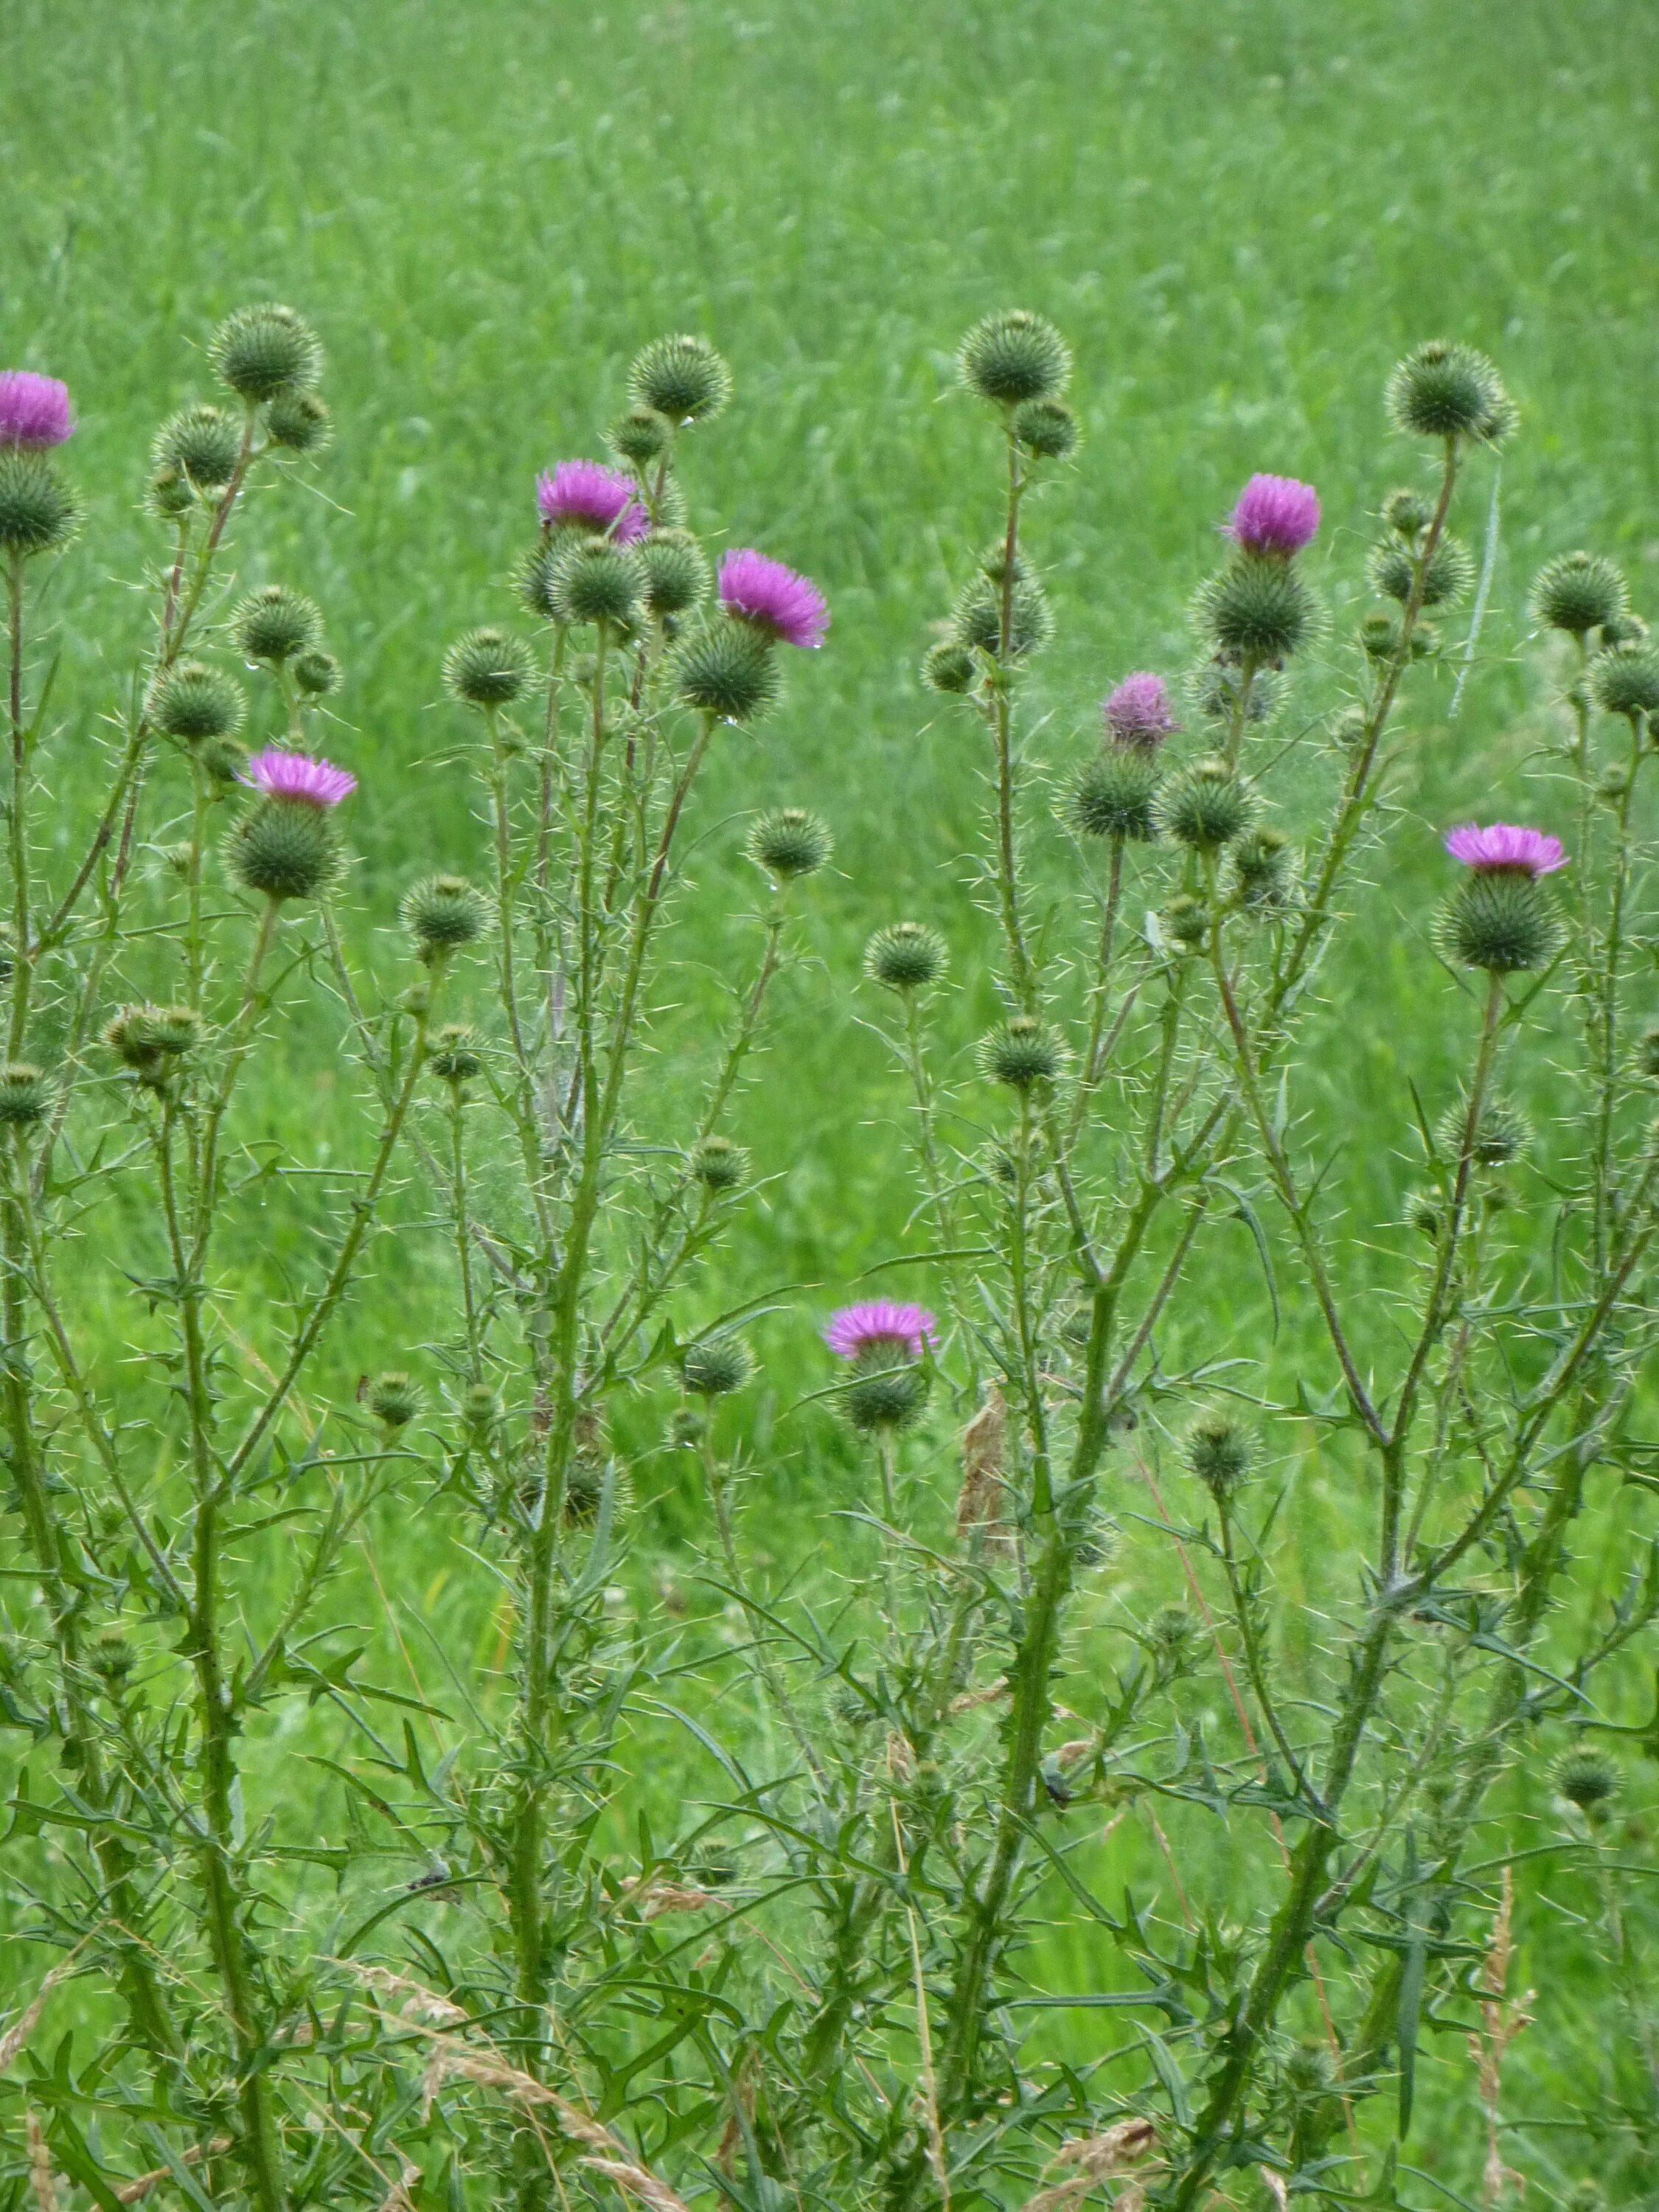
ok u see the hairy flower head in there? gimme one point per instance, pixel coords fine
(775, 598)
(592, 497)
(281, 775)
(1137, 711)
(34, 410)
(1274, 514)
(1505, 846)
(879, 1323)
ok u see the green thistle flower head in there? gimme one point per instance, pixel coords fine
(716, 1366)
(905, 956)
(789, 842)
(191, 701)
(261, 351)
(725, 668)
(1450, 390)
(1013, 357)
(274, 623)
(1256, 610)
(1113, 795)
(37, 512)
(488, 667)
(203, 442)
(1578, 593)
(1219, 1449)
(682, 378)
(1021, 1054)
(674, 570)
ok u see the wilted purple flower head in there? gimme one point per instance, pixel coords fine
(1138, 712)
(773, 597)
(34, 410)
(281, 775)
(879, 1322)
(589, 493)
(1274, 514)
(1505, 846)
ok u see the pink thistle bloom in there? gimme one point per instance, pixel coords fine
(1138, 712)
(773, 599)
(1506, 848)
(878, 1322)
(34, 410)
(1274, 514)
(281, 775)
(589, 494)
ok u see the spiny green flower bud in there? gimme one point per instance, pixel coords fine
(533, 577)
(1021, 1054)
(25, 1095)
(298, 423)
(111, 1655)
(316, 673)
(1261, 866)
(977, 622)
(1448, 391)
(151, 1041)
(285, 849)
(673, 571)
(885, 1390)
(1348, 726)
(481, 1409)
(191, 700)
(203, 441)
(1578, 593)
(950, 667)
(442, 914)
(224, 761)
(1586, 1778)
(994, 563)
(641, 436)
(595, 582)
(1186, 921)
(717, 1164)
(1407, 512)
(37, 512)
(725, 668)
(454, 1057)
(1113, 795)
(488, 667)
(1309, 2073)
(393, 1400)
(1502, 1134)
(1446, 578)
(1422, 1212)
(1207, 806)
(261, 351)
(1379, 636)
(1501, 922)
(1047, 428)
(1257, 609)
(1626, 680)
(1214, 688)
(1625, 629)
(716, 1366)
(789, 841)
(905, 956)
(1171, 1633)
(170, 494)
(1015, 356)
(1648, 1055)
(1218, 1449)
(682, 378)
(274, 623)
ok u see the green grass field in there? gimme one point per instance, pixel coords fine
(1239, 214)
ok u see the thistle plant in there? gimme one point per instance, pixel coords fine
(764, 1906)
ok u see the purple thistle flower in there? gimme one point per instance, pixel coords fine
(281, 775)
(1138, 712)
(1274, 514)
(772, 597)
(1506, 848)
(34, 410)
(879, 1322)
(587, 493)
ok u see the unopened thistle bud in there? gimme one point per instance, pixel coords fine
(1186, 921)
(1407, 512)
(1447, 576)
(487, 668)
(1626, 680)
(682, 378)
(37, 512)
(262, 351)
(1261, 866)
(1348, 726)
(1047, 428)
(111, 1655)
(596, 581)
(1171, 1633)
(316, 673)
(1218, 1449)
(905, 956)
(298, 423)
(285, 849)
(533, 577)
(726, 668)
(1256, 610)
(1449, 390)
(1503, 923)
(224, 761)
(191, 701)
(1114, 793)
(1014, 357)
(274, 623)
(885, 1390)
(950, 667)
(1207, 806)
(1502, 1134)
(1625, 629)
(1578, 593)
(673, 571)
(716, 1366)
(1216, 689)
(152, 1040)
(789, 842)
(1648, 1055)
(204, 442)
(1021, 1054)
(1586, 1778)
(454, 1057)
(170, 494)
(977, 621)
(481, 1409)
(393, 1400)
(1422, 1212)
(25, 1095)
(717, 1164)
(442, 914)
(641, 436)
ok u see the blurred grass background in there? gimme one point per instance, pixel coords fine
(1240, 211)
